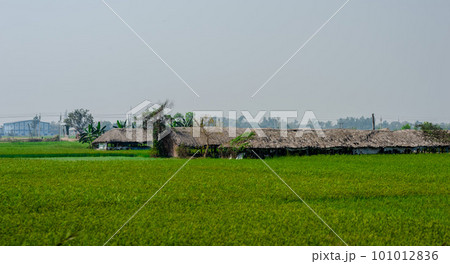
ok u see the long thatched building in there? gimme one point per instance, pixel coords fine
(332, 141)
(184, 141)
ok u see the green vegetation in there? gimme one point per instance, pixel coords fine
(435, 132)
(407, 126)
(59, 149)
(367, 200)
(180, 120)
(158, 121)
(91, 133)
(79, 119)
(238, 145)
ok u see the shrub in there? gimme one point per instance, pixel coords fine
(435, 132)
(183, 151)
(52, 139)
(407, 126)
(153, 153)
(241, 142)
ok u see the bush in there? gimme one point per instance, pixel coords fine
(435, 132)
(153, 153)
(407, 126)
(226, 152)
(183, 151)
(52, 139)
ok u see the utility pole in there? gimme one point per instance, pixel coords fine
(60, 120)
(66, 130)
(373, 121)
(39, 126)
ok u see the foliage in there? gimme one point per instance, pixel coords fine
(79, 119)
(183, 151)
(435, 131)
(407, 126)
(91, 133)
(362, 123)
(60, 149)
(120, 124)
(371, 200)
(178, 120)
(107, 124)
(52, 139)
(158, 120)
(429, 127)
(241, 142)
(34, 126)
(204, 123)
(153, 153)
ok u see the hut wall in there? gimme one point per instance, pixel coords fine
(358, 151)
(102, 146)
(169, 146)
(396, 150)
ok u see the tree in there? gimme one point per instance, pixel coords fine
(407, 126)
(107, 124)
(91, 133)
(79, 119)
(204, 123)
(158, 119)
(34, 126)
(178, 120)
(429, 127)
(269, 123)
(435, 131)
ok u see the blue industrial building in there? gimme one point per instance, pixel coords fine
(26, 128)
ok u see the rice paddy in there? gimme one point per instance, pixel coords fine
(65, 194)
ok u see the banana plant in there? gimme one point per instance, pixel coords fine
(120, 124)
(91, 133)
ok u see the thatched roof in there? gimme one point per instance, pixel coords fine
(123, 135)
(334, 138)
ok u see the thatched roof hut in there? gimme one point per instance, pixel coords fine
(118, 138)
(332, 139)
(272, 139)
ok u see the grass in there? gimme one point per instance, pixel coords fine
(367, 200)
(99, 158)
(59, 149)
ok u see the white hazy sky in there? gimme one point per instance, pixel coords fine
(390, 57)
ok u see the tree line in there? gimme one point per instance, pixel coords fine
(80, 119)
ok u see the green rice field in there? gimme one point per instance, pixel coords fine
(59, 149)
(60, 193)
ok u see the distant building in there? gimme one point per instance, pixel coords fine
(26, 128)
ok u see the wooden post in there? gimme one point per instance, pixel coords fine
(373, 121)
